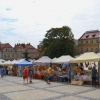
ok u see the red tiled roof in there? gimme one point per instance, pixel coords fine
(7, 45)
(29, 46)
(24, 46)
(90, 34)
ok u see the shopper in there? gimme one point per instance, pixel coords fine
(94, 73)
(2, 72)
(25, 74)
(48, 71)
(30, 74)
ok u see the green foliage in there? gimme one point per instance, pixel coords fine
(26, 55)
(58, 42)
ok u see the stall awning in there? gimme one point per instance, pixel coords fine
(86, 57)
(63, 59)
(24, 63)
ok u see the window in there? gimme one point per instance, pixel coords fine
(96, 41)
(81, 49)
(91, 49)
(86, 41)
(93, 35)
(87, 36)
(81, 42)
(91, 41)
(18, 55)
(4, 56)
(86, 49)
(12, 55)
(96, 49)
(22, 55)
(8, 55)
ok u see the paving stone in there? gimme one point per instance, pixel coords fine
(12, 88)
(93, 94)
(71, 98)
(7, 89)
(3, 97)
(69, 88)
(32, 94)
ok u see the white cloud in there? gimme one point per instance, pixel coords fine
(30, 19)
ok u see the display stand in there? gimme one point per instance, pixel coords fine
(77, 82)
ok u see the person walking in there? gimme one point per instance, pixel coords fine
(2, 72)
(5, 71)
(94, 73)
(48, 72)
(25, 74)
(30, 74)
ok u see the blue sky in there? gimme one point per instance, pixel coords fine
(27, 21)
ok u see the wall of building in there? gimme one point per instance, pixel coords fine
(88, 45)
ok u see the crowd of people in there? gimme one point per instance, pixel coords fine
(46, 72)
(41, 72)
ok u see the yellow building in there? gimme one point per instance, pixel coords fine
(89, 42)
(8, 52)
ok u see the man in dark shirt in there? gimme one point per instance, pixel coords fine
(94, 73)
(31, 74)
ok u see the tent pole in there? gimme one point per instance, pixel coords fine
(99, 70)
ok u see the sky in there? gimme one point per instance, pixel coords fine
(26, 21)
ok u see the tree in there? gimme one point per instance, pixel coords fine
(58, 42)
(26, 55)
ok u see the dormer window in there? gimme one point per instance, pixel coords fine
(87, 36)
(93, 35)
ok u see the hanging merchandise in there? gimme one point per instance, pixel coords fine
(94, 64)
(81, 64)
(86, 64)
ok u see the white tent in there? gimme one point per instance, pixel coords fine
(7, 62)
(1, 63)
(53, 59)
(44, 59)
(14, 61)
(63, 59)
(2, 60)
(98, 54)
(20, 60)
(86, 57)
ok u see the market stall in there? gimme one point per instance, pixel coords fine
(78, 74)
(20, 66)
(44, 60)
(63, 59)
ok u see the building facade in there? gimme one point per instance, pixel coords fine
(8, 52)
(89, 42)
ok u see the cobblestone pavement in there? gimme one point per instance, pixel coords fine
(12, 88)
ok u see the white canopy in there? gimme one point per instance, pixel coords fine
(7, 62)
(1, 63)
(53, 59)
(2, 60)
(63, 59)
(44, 59)
(98, 54)
(14, 61)
(86, 57)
